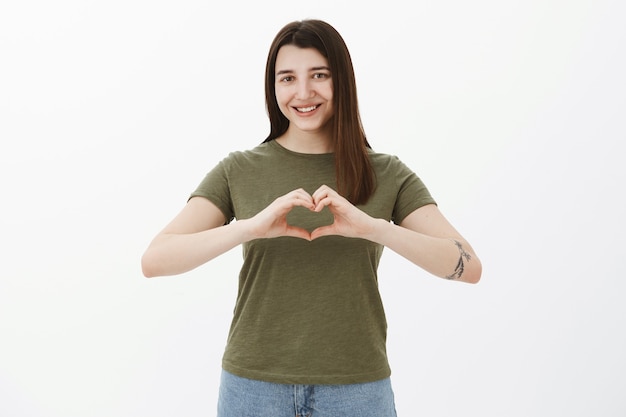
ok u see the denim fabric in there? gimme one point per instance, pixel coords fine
(242, 397)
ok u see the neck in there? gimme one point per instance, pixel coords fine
(305, 142)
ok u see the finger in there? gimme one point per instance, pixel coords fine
(297, 232)
(293, 199)
(325, 196)
(302, 198)
(302, 202)
(323, 231)
(321, 192)
(321, 198)
(319, 206)
(331, 200)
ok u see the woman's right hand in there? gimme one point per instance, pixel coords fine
(198, 234)
(272, 221)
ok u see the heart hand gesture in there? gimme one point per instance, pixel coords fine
(349, 221)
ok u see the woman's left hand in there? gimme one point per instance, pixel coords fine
(349, 221)
(424, 237)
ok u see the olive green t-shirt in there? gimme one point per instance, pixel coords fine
(307, 312)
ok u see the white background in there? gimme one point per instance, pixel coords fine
(512, 112)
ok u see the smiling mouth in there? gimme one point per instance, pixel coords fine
(307, 109)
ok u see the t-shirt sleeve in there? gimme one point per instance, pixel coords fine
(215, 187)
(412, 193)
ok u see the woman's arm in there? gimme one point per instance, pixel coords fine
(424, 237)
(198, 234)
(195, 236)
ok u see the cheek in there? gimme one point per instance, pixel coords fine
(281, 105)
(329, 96)
(328, 93)
(282, 97)
(284, 110)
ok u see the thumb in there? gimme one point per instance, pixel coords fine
(298, 232)
(321, 231)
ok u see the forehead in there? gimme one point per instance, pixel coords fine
(291, 57)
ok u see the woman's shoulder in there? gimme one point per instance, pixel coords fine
(382, 160)
(262, 150)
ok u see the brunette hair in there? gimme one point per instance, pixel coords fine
(355, 176)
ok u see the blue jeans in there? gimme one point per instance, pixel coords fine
(242, 397)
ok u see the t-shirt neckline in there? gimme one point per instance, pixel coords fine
(282, 149)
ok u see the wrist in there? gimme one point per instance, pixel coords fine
(243, 230)
(377, 230)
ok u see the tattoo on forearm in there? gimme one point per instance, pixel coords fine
(460, 266)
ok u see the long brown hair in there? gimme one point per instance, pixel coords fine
(355, 176)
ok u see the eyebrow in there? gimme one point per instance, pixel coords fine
(288, 71)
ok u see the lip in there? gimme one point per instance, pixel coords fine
(313, 107)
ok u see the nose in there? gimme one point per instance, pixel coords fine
(304, 89)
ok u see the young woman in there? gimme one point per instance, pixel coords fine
(314, 207)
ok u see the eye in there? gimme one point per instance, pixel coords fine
(286, 79)
(320, 75)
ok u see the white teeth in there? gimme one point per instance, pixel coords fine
(306, 109)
